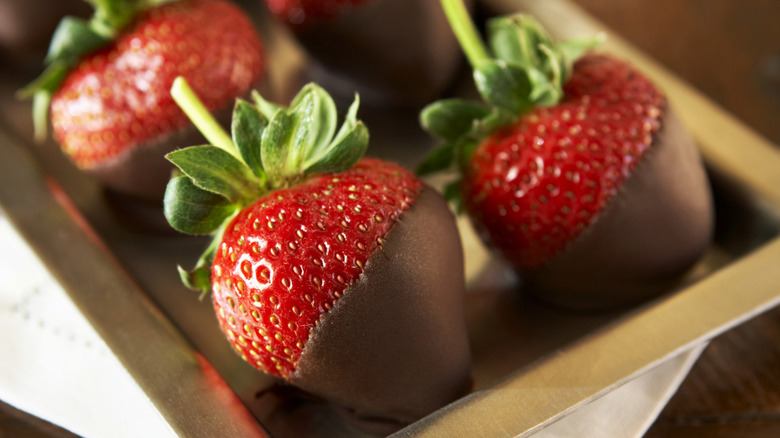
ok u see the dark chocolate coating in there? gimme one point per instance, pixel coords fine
(655, 228)
(393, 52)
(142, 172)
(395, 347)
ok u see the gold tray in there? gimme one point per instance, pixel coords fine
(528, 360)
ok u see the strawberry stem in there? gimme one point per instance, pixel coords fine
(200, 116)
(465, 31)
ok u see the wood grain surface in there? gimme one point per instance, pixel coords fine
(728, 49)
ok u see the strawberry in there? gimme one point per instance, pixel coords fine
(557, 152)
(275, 228)
(394, 52)
(340, 275)
(297, 12)
(108, 82)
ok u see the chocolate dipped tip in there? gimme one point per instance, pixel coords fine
(647, 237)
(393, 52)
(135, 181)
(394, 348)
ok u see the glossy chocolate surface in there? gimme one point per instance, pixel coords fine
(396, 52)
(656, 227)
(395, 348)
(142, 171)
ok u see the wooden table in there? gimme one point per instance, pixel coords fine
(730, 50)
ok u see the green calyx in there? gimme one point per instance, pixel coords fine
(270, 147)
(73, 39)
(518, 68)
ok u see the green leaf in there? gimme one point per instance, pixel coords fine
(508, 42)
(437, 160)
(198, 279)
(346, 148)
(465, 150)
(301, 134)
(320, 114)
(215, 170)
(247, 133)
(111, 16)
(544, 91)
(48, 81)
(73, 38)
(295, 134)
(449, 119)
(349, 121)
(504, 85)
(497, 118)
(343, 154)
(192, 210)
(266, 108)
(517, 38)
(452, 194)
(41, 90)
(275, 145)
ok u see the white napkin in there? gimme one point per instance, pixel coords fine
(56, 367)
(53, 364)
(629, 410)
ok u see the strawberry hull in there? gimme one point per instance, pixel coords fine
(644, 241)
(141, 172)
(135, 180)
(350, 286)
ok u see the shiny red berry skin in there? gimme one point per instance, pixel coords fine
(285, 260)
(531, 188)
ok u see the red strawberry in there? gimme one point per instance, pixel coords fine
(296, 12)
(543, 179)
(394, 52)
(112, 110)
(567, 162)
(300, 248)
(342, 277)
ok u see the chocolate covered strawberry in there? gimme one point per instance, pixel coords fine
(576, 169)
(340, 275)
(394, 52)
(107, 85)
